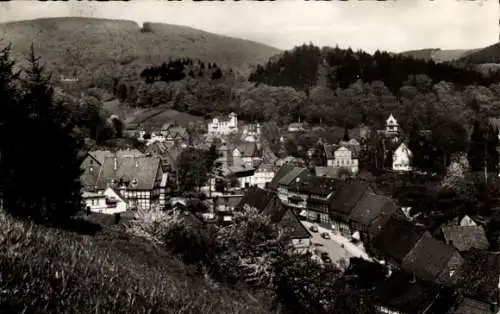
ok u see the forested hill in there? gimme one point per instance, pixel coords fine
(73, 45)
(345, 66)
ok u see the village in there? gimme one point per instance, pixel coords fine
(326, 205)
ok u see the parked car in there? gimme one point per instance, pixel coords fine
(314, 228)
(325, 235)
(325, 258)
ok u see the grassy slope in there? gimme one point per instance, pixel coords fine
(62, 40)
(47, 271)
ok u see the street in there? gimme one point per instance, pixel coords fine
(337, 247)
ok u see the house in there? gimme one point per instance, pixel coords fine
(267, 202)
(343, 202)
(433, 261)
(371, 214)
(176, 135)
(391, 125)
(249, 154)
(140, 176)
(295, 174)
(465, 238)
(163, 190)
(401, 159)
(91, 166)
(282, 171)
(391, 291)
(167, 154)
(108, 201)
(329, 172)
(251, 132)
(311, 195)
(396, 240)
(263, 174)
(223, 125)
(345, 157)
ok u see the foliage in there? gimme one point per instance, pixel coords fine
(193, 167)
(52, 271)
(41, 125)
(249, 249)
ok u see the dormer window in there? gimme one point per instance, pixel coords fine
(134, 182)
(113, 181)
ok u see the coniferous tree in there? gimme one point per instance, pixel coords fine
(345, 138)
(47, 170)
(415, 147)
(476, 153)
(491, 149)
(9, 124)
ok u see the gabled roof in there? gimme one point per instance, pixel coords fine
(371, 206)
(397, 238)
(429, 259)
(464, 238)
(284, 170)
(178, 133)
(143, 169)
(99, 155)
(291, 176)
(348, 196)
(269, 203)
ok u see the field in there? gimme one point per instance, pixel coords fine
(439, 55)
(44, 270)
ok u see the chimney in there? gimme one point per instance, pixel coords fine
(115, 163)
(123, 191)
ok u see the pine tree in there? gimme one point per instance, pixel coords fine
(476, 153)
(47, 168)
(10, 125)
(415, 147)
(491, 149)
(345, 138)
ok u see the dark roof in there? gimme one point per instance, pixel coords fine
(429, 259)
(464, 238)
(143, 169)
(295, 173)
(178, 133)
(256, 197)
(270, 204)
(399, 293)
(371, 206)
(348, 196)
(279, 175)
(292, 226)
(397, 238)
(315, 185)
(479, 276)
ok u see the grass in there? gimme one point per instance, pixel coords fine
(71, 42)
(45, 270)
(439, 55)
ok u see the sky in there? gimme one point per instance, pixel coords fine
(394, 25)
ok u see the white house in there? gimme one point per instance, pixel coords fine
(223, 126)
(108, 201)
(262, 175)
(401, 158)
(343, 157)
(391, 125)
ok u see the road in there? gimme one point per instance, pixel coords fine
(337, 247)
